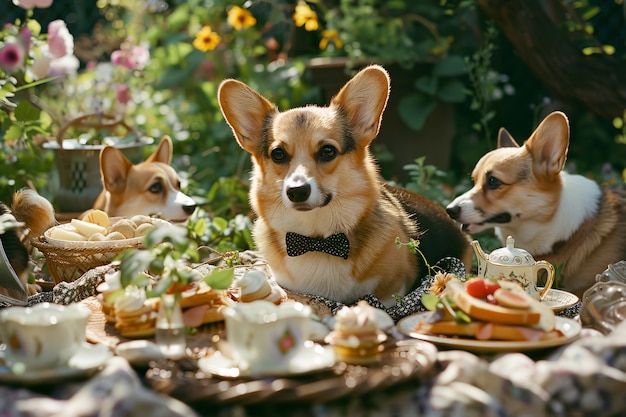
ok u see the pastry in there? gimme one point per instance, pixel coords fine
(255, 285)
(202, 304)
(110, 289)
(134, 314)
(356, 337)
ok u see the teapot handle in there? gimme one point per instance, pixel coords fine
(547, 266)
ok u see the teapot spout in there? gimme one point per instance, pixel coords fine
(481, 257)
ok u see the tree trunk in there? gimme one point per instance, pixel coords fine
(535, 28)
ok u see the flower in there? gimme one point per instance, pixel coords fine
(240, 18)
(31, 4)
(131, 56)
(12, 56)
(438, 286)
(305, 16)
(329, 36)
(60, 40)
(206, 39)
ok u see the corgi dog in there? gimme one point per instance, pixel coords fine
(151, 187)
(36, 215)
(567, 220)
(326, 222)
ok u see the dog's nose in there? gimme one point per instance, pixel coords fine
(453, 211)
(300, 193)
(189, 208)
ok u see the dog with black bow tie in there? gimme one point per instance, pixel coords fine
(326, 221)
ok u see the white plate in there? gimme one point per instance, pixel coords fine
(570, 329)
(85, 361)
(558, 300)
(314, 358)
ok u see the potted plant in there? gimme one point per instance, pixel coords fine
(422, 44)
(78, 159)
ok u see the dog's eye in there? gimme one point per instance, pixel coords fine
(493, 182)
(278, 155)
(156, 188)
(327, 153)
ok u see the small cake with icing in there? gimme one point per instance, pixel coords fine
(254, 285)
(135, 315)
(356, 337)
(108, 291)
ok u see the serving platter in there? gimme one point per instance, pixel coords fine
(569, 327)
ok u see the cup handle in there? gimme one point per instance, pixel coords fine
(550, 280)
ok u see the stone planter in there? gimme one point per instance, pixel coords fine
(78, 163)
(434, 140)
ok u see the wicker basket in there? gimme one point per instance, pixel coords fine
(69, 262)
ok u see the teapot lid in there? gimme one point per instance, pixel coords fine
(510, 255)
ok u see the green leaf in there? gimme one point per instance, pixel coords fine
(134, 262)
(171, 233)
(14, 132)
(452, 91)
(220, 279)
(415, 108)
(179, 18)
(427, 84)
(430, 301)
(450, 66)
(26, 112)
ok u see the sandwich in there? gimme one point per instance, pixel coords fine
(490, 310)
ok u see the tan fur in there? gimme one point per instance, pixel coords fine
(150, 187)
(327, 149)
(37, 214)
(566, 219)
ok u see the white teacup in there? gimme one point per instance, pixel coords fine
(44, 336)
(265, 337)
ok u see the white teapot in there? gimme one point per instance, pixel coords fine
(511, 263)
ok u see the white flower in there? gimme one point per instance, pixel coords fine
(31, 4)
(60, 40)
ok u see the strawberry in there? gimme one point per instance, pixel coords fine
(491, 286)
(481, 288)
(476, 287)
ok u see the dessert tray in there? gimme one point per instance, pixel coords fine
(84, 362)
(569, 327)
(207, 374)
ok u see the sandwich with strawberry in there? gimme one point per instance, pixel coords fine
(488, 310)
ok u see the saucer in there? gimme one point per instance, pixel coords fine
(86, 361)
(313, 358)
(558, 300)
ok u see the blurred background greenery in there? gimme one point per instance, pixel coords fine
(459, 73)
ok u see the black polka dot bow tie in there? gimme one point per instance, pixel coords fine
(336, 245)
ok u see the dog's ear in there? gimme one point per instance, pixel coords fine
(548, 144)
(245, 111)
(163, 152)
(363, 99)
(114, 168)
(505, 140)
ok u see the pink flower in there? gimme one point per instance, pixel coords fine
(31, 4)
(24, 37)
(135, 58)
(122, 93)
(60, 40)
(12, 56)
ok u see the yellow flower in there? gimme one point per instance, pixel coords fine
(305, 16)
(206, 39)
(438, 286)
(330, 36)
(240, 18)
